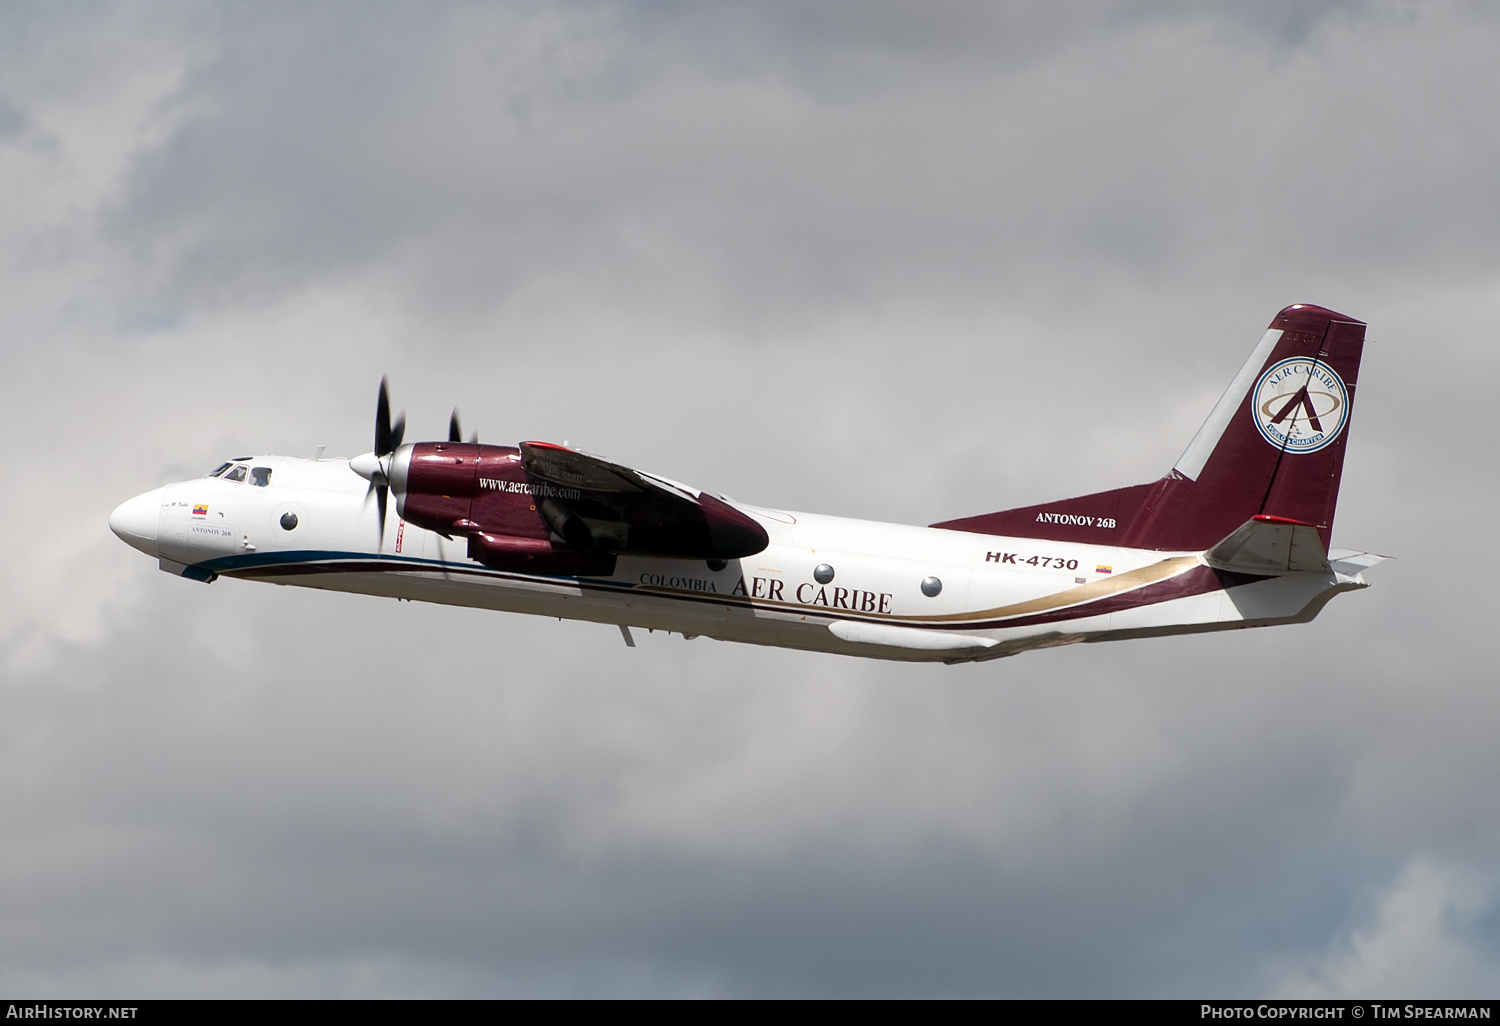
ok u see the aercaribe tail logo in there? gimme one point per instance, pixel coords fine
(1300, 405)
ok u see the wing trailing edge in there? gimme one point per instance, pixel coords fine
(592, 504)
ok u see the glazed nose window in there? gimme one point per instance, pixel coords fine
(236, 474)
(260, 476)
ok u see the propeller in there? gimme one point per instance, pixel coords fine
(455, 433)
(387, 435)
(375, 466)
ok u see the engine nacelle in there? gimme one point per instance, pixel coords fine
(537, 556)
(519, 521)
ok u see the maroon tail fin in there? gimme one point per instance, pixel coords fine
(1273, 445)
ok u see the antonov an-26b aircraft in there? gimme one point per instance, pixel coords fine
(1236, 535)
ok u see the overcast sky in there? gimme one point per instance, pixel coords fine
(901, 261)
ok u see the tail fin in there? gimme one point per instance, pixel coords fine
(1273, 446)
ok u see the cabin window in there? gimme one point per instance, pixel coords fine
(260, 476)
(220, 469)
(236, 473)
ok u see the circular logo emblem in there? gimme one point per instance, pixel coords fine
(1300, 405)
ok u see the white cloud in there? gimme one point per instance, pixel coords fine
(1424, 941)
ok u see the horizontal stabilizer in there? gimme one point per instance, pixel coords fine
(1350, 562)
(904, 637)
(1270, 545)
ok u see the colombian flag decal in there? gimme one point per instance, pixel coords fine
(1102, 569)
(200, 509)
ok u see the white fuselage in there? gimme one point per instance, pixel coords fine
(997, 596)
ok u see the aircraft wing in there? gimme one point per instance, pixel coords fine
(593, 504)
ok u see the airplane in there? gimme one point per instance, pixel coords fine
(1236, 535)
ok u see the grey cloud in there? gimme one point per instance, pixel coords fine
(824, 257)
(312, 800)
(495, 147)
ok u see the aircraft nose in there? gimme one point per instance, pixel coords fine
(134, 521)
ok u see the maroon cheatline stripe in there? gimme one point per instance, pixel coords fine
(1200, 580)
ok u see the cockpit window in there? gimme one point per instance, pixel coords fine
(220, 469)
(237, 473)
(260, 476)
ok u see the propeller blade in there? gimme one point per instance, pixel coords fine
(380, 500)
(379, 491)
(383, 421)
(455, 433)
(387, 440)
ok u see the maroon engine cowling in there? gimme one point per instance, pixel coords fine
(479, 491)
(484, 493)
(439, 484)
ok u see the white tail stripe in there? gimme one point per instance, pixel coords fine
(1193, 458)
